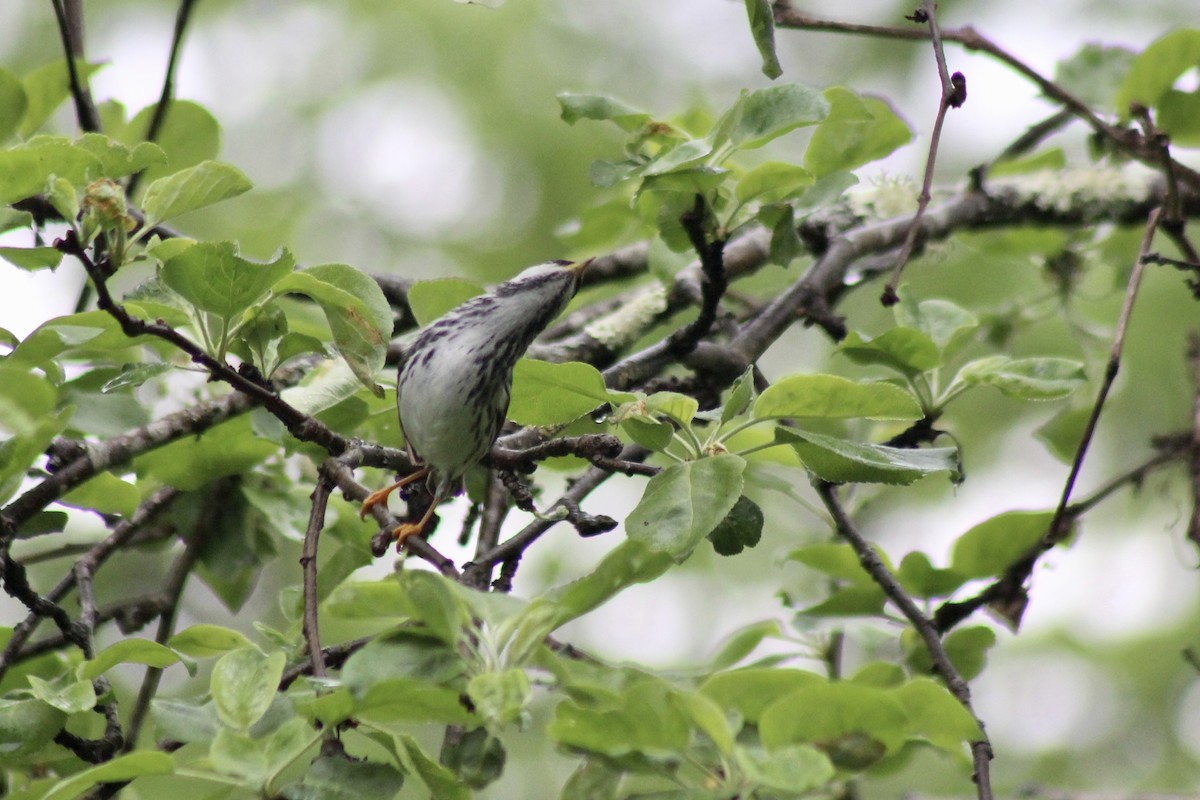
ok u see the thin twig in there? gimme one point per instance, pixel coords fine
(954, 94)
(1008, 595)
(69, 14)
(308, 564)
(874, 566)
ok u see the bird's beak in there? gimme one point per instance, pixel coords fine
(578, 268)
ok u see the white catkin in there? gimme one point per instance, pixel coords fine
(624, 326)
(1062, 190)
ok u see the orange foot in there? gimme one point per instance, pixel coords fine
(381, 496)
(410, 529)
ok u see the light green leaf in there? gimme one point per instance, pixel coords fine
(500, 697)
(440, 781)
(751, 690)
(13, 104)
(127, 651)
(647, 718)
(758, 117)
(772, 182)
(105, 493)
(710, 718)
(841, 461)
(857, 131)
(1064, 431)
(995, 544)
(358, 314)
(26, 168)
(740, 396)
(189, 189)
(967, 649)
(204, 641)
(26, 725)
(32, 258)
(594, 779)
(69, 697)
(413, 700)
(684, 502)
(837, 560)
(339, 778)
(681, 408)
(189, 135)
(940, 320)
(935, 714)
(243, 685)
(762, 27)
(794, 769)
(1156, 69)
(214, 278)
(257, 759)
(919, 577)
(192, 462)
(436, 603)
(117, 160)
(544, 393)
(866, 600)
(834, 397)
(905, 350)
(26, 398)
(597, 107)
(649, 433)
(1026, 378)
(823, 712)
(45, 89)
(433, 298)
(122, 768)
(185, 721)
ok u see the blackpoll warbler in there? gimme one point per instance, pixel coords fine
(454, 383)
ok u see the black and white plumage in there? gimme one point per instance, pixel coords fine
(455, 381)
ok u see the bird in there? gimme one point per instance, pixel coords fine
(454, 383)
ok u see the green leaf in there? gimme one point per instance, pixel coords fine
(69, 697)
(436, 603)
(32, 259)
(772, 182)
(1156, 69)
(117, 160)
(866, 600)
(837, 560)
(1064, 431)
(26, 168)
(440, 781)
(857, 131)
(500, 697)
(359, 315)
(243, 685)
(834, 397)
(433, 298)
(544, 393)
(1095, 73)
(741, 394)
(205, 641)
(189, 189)
(995, 544)
(258, 759)
(13, 104)
(921, 579)
(762, 26)
(780, 219)
(127, 651)
(122, 768)
(629, 563)
(477, 757)
(795, 769)
(935, 714)
(189, 135)
(841, 461)
(339, 778)
(940, 320)
(966, 648)
(19, 452)
(710, 718)
(759, 116)
(594, 779)
(413, 700)
(648, 432)
(742, 643)
(823, 712)
(45, 89)
(741, 528)
(684, 502)
(214, 278)
(647, 718)
(26, 725)
(25, 399)
(750, 691)
(185, 721)
(597, 107)
(681, 408)
(1026, 378)
(1179, 117)
(402, 655)
(105, 493)
(907, 351)
(192, 462)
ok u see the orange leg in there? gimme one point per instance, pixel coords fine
(381, 496)
(404, 532)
